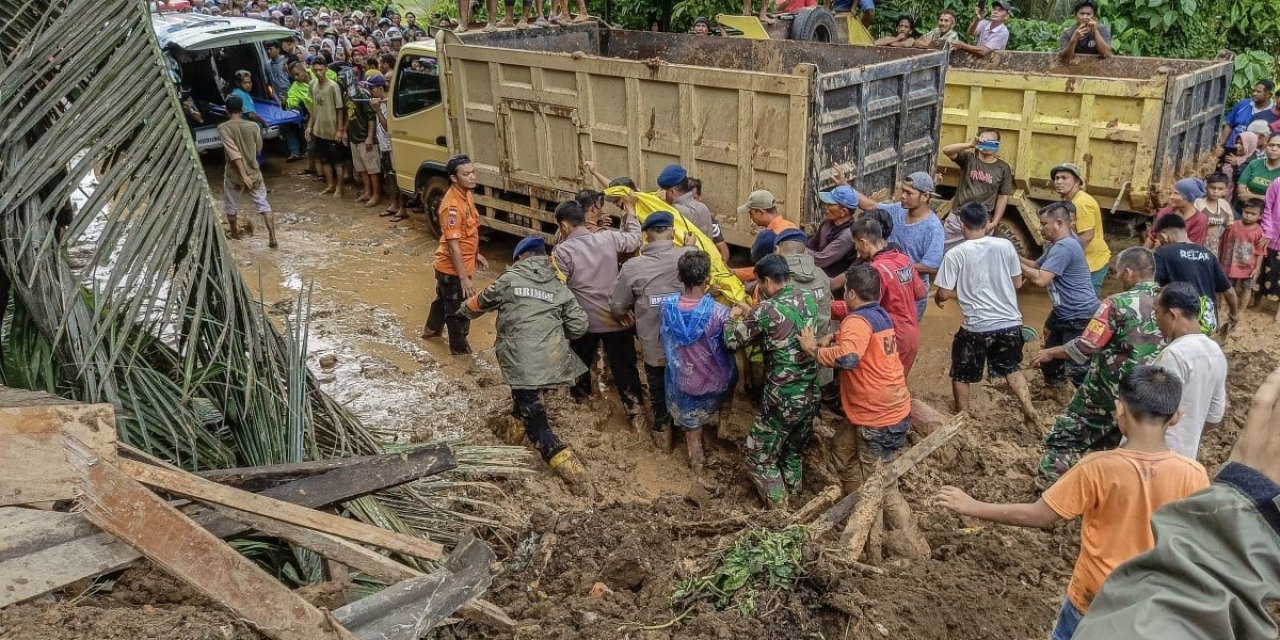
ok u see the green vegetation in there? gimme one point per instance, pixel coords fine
(760, 561)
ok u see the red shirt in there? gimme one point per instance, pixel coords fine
(1197, 225)
(900, 288)
(1241, 249)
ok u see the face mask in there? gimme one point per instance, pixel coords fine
(989, 145)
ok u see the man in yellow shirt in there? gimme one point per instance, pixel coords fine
(1068, 181)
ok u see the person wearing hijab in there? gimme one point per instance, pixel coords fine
(1246, 150)
(1186, 193)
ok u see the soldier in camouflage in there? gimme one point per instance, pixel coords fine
(1121, 335)
(775, 447)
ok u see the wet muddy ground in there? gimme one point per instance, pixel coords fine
(605, 565)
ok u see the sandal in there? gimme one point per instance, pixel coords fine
(387, 212)
(398, 217)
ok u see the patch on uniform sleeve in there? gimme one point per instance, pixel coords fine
(452, 218)
(1094, 330)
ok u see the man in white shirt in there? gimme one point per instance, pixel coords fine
(983, 274)
(1197, 360)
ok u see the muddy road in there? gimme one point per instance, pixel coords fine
(606, 565)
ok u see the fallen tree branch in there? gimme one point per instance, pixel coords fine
(886, 475)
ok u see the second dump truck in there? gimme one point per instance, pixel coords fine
(529, 107)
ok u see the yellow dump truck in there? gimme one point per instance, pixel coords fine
(530, 106)
(1135, 125)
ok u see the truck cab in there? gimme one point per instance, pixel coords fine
(417, 126)
(204, 52)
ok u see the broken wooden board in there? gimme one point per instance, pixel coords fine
(372, 468)
(33, 467)
(185, 484)
(123, 507)
(409, 609)
(333, 548)
(59, 563)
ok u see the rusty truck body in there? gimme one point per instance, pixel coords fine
(529, 107)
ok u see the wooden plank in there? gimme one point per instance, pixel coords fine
(123, 507)
(32, 465)
(408, 610)
(196, 488)
(886, 475)
(35, 574)
(376, 472)
(350, 554)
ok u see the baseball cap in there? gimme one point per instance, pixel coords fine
(377, 81)
(760, 199)
(1068, 166)
(1003, 5)
(658, 219)
(843, 195)
(394, 34)
(922, 181)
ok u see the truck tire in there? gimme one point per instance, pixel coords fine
(814, 25)
(1010, 228)
(431, 194)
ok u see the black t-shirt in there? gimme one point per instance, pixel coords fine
(1193, 264)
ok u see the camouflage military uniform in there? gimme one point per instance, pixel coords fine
(1121, 335)
(781, 430)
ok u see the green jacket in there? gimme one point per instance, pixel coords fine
(537, 316)
(299, 97)
(1212, 574)
(807, 276)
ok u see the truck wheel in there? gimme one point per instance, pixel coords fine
(431, 194)
(814, 25)
(1011, 229)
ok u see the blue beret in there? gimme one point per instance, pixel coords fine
(765, 243)
(672, 175)
(530, 244)
(792, 234)
(658, 219)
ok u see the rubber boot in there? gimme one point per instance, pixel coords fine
(509, 429)
(661, 438)
(566, 465)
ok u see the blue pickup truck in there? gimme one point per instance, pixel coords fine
(203, 54)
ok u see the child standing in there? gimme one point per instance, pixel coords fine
(1242, 249)
(1116, 491)
(1217, 207)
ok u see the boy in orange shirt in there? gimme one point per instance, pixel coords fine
(1116, 491)
(873, 385)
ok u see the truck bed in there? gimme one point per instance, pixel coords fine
(530, 106)
(1134, 124)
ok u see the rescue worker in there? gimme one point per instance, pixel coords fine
(762, 207)
(537, 317)
(1121, 335)
(456, 257)
(781, 429)
(674, 188)
(644, 283)
(900, 286)
(807, 276)
(588, 263)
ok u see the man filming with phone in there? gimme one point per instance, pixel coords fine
(1087, 36)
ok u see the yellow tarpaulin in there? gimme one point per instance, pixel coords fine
(687, 234)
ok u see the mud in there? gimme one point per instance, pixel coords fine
(605, 564)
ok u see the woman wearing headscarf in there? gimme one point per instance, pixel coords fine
(1246, 150)
(1183, 202)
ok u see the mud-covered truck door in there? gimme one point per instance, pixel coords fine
(1135, 125)
(530, 106)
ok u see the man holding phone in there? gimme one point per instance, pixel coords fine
(1087, 36)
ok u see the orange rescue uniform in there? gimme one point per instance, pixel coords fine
(459, 220)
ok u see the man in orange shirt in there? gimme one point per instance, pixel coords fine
(762, 207)
(873, 385)
(1116, 491)
(456, 256)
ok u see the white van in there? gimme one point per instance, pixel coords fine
(204, 52)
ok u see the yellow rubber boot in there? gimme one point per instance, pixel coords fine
(566, 465)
